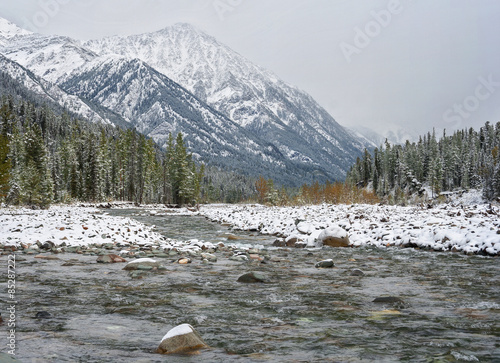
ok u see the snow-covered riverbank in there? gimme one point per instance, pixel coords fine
(462, 228)
(468, 229)
(70, 226)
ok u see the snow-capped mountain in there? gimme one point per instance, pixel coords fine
(251, 96)
(233, 113)
(157, 106)
(394, 135)
(9, 31)
(49, 91)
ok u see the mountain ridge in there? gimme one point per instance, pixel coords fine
(214, 85)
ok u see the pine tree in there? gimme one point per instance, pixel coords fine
(5, 166)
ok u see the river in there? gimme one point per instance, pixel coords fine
(447, 307)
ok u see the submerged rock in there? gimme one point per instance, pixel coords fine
(181, 339)
(333, 237)
(252, 277)
(357, 272)
(110, 258)
(387, 299)
(325, 264)
(43, 315)
(209, 257)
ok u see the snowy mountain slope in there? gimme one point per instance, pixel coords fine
(280, 126)
(49, 91)
(157, 106)
(395, 135)
(9, 31)
(50, 57)
(251, 96)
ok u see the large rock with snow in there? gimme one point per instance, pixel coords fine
(181, 339)
(334, 237)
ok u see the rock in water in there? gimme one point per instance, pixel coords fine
(333, 237)
(357, 272)
(142, 264)
(325, 264)
(181, 339)
(111, 258)
(43, 315)
(252, 277)
(388, 299)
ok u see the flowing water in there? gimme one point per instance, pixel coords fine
(449, 307)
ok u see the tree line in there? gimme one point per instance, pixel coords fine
(467, 159)
(46, 157)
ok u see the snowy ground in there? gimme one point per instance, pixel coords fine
(461, 228)
(80, 226)
(467, 228)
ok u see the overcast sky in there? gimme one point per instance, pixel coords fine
(416, 64)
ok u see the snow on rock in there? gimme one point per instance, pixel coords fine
(181, 339)
(333, 236)
(472, 229)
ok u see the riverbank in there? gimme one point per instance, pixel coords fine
(471, 229)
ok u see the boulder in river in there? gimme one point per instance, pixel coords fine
(142, 264)
(325, 264)
(182, 339)
(334, 237)
(357, 272)
(110, 258)
(252, 277)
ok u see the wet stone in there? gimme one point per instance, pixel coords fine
(110, 258)
(183, 339)
(209, 257)
(253, 277)
(325, 264)
(357, 272)
(43, 315)
(142, 264)
(388, 299)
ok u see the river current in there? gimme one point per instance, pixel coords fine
(445, 307)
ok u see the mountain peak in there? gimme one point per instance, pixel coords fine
(9, 30)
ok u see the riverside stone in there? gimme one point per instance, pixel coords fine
(333, 237)
(181, 339)
(209, 257)
(110, 258)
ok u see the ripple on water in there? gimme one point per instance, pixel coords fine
(100, 314)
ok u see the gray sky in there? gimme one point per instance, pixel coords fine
(415, 64)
